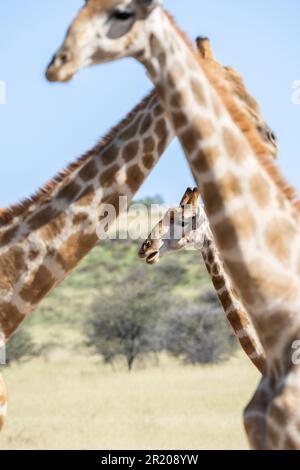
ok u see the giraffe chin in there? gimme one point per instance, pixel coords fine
(153, 258)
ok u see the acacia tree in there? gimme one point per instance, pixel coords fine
(126, 322)
(199, 332)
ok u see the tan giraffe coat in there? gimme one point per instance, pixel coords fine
(253, 213)
(43, 238)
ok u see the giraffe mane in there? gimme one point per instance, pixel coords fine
(241, 119)
(233, 78)
(19, 209)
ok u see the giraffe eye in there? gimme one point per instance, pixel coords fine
(148, 244)
(272, 137)
(122, 15)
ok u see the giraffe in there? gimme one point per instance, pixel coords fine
(252, 211)
(44, 238)
(184, 228)
(46, 219)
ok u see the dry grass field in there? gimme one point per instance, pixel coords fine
(78, 403)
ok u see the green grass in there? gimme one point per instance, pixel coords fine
(78, 403)
(68, 399)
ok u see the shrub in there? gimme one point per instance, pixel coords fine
(199, 333)
(20, 347)
(126, 323)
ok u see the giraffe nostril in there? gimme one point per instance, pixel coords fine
(64, 58)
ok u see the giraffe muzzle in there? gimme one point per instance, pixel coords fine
(61, 68)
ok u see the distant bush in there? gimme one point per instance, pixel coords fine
(199, 333)
(126, 323)
(170, 273)
(20, 347)
(142, 317)
(150, 200)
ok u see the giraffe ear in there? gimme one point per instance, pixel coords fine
(204, 47)
(187, 197)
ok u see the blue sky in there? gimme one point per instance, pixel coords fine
(45, 126)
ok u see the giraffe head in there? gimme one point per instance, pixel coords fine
(106, 30)
(181, 228)
(103, 31)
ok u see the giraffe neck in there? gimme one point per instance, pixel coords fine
(201, 239)
(254, 222)
(235, 312)
(48, 236)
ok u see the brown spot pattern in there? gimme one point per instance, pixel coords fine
(107, 178)
(69, 192)
(235, 146)
(206, 159)
(135, 177)
(148, 161)
(198, 93)
(179, 119)
(218, 282)
(241, 277)
(130, 151)
(212, 199)
(79, 218)
(225, 300)
(8, 236)
(38, 287)
(238, 321)
(190, 138)
(162, 133)
(41, 218)
(230, 187)
(51, 230)
(131, 130)
(279, 237)
(109, 155)
(10, 318)
(12, 267)
(146, 124)
(149, 145)
(74, 249)
(158, 110)
(240, 226)
(260, 189)
(89, 171)
(86, 197)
